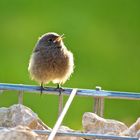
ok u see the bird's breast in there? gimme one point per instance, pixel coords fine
(52, 60)
(49, 65)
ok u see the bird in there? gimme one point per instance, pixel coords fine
(51, 61)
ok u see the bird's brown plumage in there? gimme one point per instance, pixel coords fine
(50, 60)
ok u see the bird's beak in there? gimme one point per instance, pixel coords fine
(59, 38)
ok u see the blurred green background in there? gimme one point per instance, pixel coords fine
(104, 36)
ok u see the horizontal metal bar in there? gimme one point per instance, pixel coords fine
(86, 135)
(67, 91)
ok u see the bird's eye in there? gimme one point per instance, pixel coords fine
(50, 40)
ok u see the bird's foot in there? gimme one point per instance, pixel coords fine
(59, 89)
(41, 88)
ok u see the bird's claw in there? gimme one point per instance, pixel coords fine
(41, 90)
(60, 90)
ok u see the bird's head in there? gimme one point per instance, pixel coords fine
(51, 40)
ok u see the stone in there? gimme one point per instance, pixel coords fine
(92, 123)
(66, 129)
(138, 134)
(25, 133)
(20, 115)
(18, 121)
(133, 130)
(18, 133)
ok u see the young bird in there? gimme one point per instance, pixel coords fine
(51, 61)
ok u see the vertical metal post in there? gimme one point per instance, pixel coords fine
(99, 104)
(20, 97)
(96, 103)
(1, 91)
(60, 104)
(101, 113)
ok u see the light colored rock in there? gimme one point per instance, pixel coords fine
(19, 120)
(18, 133)
(25, 133)
(133, 130)
(20, 115)
(66, 129)
(138, 134)
(92, 123)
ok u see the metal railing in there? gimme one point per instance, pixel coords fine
(98, 95)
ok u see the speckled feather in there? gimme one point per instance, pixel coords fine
(50, 62)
